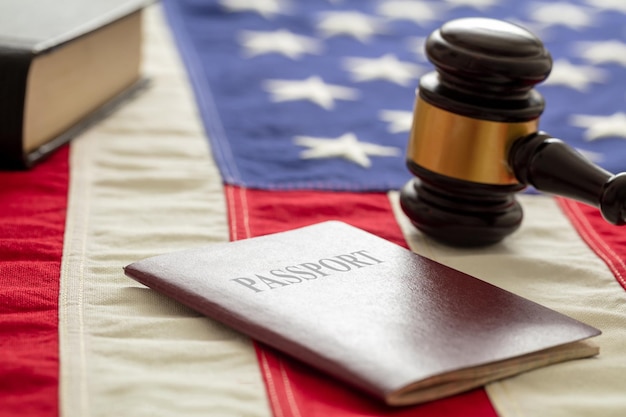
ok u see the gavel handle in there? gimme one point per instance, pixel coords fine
(550, 165)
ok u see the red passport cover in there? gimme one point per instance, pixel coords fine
(390, 322)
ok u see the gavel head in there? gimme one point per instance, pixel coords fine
(468, 114)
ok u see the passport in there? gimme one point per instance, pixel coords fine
(394, 324)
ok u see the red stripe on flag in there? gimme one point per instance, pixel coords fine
(297, 390)
(255, 212)
(32, 208)
(606, 240)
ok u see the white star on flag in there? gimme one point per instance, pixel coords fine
(399, 120)
(601, 126)
(418, 12)
(279, 41)
(387, 67)
(617, 5)
(355, 24)
(313, 89)
(563, 14)
(477, 4)
(578, 77)
(346, 146)
(266, 8)
(603, 52)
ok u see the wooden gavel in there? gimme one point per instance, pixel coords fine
(475, 140)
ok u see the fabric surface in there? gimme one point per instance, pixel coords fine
(77, 338)
(32, 216)
(141, 184)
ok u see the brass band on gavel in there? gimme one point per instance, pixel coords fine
(464, 148)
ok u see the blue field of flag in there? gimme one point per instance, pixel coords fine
(318, 94)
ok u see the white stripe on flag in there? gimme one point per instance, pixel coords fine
(143, 183)
(547, 262)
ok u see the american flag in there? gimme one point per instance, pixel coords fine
(306, 107)
(319, 94)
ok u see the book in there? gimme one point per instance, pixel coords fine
(63, 65)
(401, 327)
